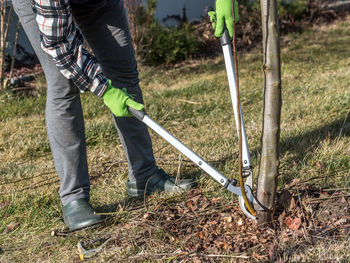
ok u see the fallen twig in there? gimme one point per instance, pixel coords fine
(155, 255)
(315, 200)
(168, 234)
(219, 256)
(59, 233)
(335, 189)
(161, 148)
(26, 178)
(190, 102)
(178, 170)
(306, 233)
(293, 184)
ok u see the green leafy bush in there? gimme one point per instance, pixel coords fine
(292, 9)
(166, 45)
(154, 43)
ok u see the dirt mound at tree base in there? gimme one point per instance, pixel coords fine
(202, 229)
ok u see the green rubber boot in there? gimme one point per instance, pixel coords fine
(160, 181)
(79, 214)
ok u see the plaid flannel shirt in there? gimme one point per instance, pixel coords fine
(62, 40)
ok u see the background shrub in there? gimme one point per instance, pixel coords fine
(160, 45)
(154, 43)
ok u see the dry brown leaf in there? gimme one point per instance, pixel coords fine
(194, 208)
(156, 207)
(204, 206)
(193, 192)
(215, 200)
(145, 216)
(263, 240)
(324, 194)
(189, 204)
(228, 219)
(293, 223)
(194, 199)
(257, 256)
(281, 217)
(292, 204)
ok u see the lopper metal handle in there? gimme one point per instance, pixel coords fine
(142, 116)
(230, 185)
(229, 63)
(225, 38)
(137, 113)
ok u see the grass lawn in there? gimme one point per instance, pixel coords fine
(192, 102)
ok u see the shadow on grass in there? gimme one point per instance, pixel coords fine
(311, 139)
(128, 203)
(133, 203)
(302, 145)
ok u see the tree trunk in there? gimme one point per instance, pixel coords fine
(268, 173)
(2, 41)
(4, 28)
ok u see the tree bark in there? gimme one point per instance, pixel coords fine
(269, 163)
(13, 58)
(2, 42)
(4, 28)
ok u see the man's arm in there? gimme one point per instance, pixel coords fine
(62, 40)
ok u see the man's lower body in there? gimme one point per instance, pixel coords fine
(106, 31)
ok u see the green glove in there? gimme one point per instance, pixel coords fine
(118, 101)
(223, 17)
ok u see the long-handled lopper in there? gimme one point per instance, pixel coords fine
(247, 168)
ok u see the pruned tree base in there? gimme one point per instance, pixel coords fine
(264, 217)
(268, 171)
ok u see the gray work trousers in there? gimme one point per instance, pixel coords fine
(106, 31)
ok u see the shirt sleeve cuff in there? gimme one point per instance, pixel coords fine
(101, 87)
